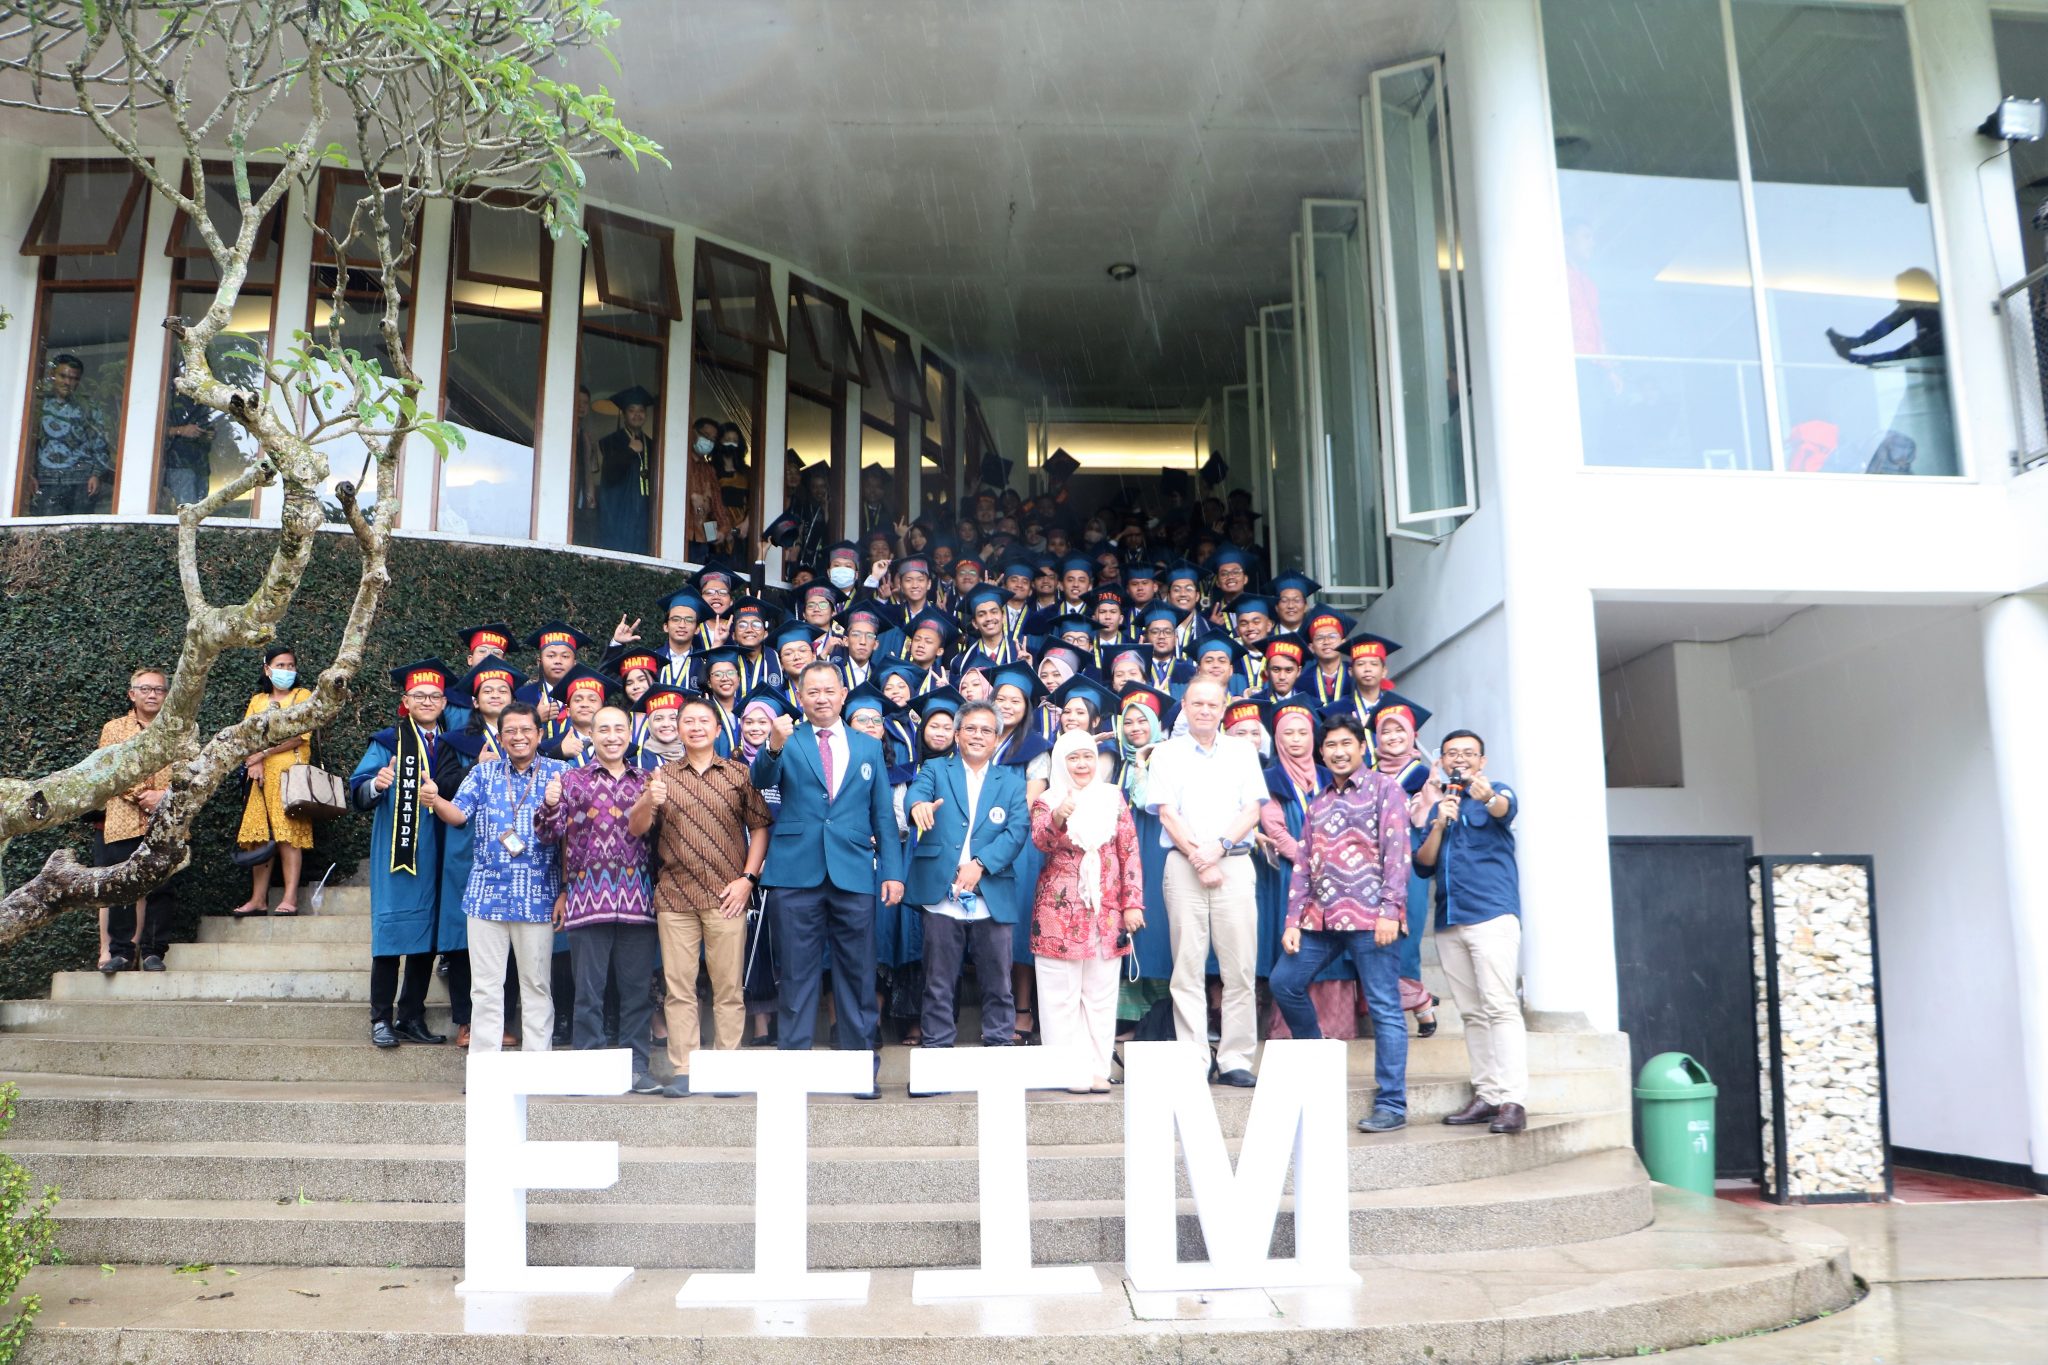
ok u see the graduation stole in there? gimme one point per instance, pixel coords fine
(414, 762)
(1162, 672)
(728, 722)
(675, 672)
(752, 674)
(1004, 653)
(1327, 692)
(1255, 670)
(489, 749)
(1013, 626)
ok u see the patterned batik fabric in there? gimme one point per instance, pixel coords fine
(608, 873)
(511, 888)
(1351, 869)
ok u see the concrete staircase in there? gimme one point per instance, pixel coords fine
(231, 1110)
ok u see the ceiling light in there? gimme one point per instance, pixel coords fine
(1122, 270)
(2016, 120)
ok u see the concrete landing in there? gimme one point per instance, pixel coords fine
(1706, 1269)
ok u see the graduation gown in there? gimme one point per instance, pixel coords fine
(1026, 744)
(407, 913)
(1274, 883)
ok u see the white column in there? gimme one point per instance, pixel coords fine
(554, 491)
(25, 167)
(850, 418)
(1976, 220)
(2015, 660)
(1526, 405)
(293, 311)
(142, 411)
(772, 440)
(674, 516)
(419, 467)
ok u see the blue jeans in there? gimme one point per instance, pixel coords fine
(1379, 981)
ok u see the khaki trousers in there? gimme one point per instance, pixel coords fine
(724, 944)
(1483, 961)
(532, 946)
(1225, 918)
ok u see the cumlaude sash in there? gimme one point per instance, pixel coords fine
(411, 763)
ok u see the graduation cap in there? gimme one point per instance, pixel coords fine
(582, 677)
(871, 614)
(995, 470)
(424, 673)
(1060, 465)
(966, 560)
(938, 622)
(1020, 566)
(842, 547)
(633, 396)
(1078, 563)
(1184, 569)
(793, 633)
(1296, 580)
(1214, 470)
(940, 700)
(985, 595)
(904, 669)
(665, 698)
(1228, 555)
(490, 635)
(1153, 616)
(1087, 689)
(818, 587)
(1285, 647)
(643, 659)
(1114, 652)
(1251, 604)
(754, 608)
(1175, 482)
(792, 463)
(1394, 704)
(558, 633)
(1289, 706)
(1149, 697)
(916, 563)
(768, 697)
(783, 530)
(1020, 676)
(491, 669)
(1217, 643)
(1075, 659)
(1365, 645)
(1076, 625)
(1327, 619)
(1108, 592)
(724, 654)
(866, 697)
(718, 571)
(1242, 710)
(684, 597)
(1144, 570)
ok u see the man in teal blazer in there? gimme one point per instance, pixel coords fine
(967, 884)
(834, 840)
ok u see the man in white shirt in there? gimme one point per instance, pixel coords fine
(1207, 787)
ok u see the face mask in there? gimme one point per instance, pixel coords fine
(281, 678)
(728, 445)
(701, 446)
(840, 577)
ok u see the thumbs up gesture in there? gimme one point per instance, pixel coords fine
(784, 727)
(925, 814)
(429, 789)
(553, 795)
(655, 792)
(386, 775)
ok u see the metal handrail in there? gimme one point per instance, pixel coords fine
(2026, 353)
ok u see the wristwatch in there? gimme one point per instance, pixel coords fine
(753, 877)
(980, 864)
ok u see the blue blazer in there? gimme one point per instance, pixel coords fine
(1002, 826)
(849, 840)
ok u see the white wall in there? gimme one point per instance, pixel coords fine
(1717, 747)
(1872, 736)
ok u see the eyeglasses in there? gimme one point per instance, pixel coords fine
(426, 696)
(148, 690)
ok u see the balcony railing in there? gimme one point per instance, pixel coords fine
(2024, 308)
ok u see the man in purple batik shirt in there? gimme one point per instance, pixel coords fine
(1349, 899)
(608, 876)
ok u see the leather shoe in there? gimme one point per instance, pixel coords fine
(1513, 1118)
(382, 1036)
(1241, 1078)
(415, 1031)
(152, 963)
(1479, 1111)
(462, 1036)
(114, 964)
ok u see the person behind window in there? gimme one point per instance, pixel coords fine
(587, 464)
(708, 523)
(627, 460)
(188, 453)
(735, 488)
(73, 460)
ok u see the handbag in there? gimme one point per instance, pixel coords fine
(310, 792)
(263, 852)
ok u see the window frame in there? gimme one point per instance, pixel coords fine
(178, 286)
(459, 272)
(269, 234)
(873, 330)
(833, 400)
(597, 223)
(775, 339)
(46, 207)
(851, 337)
(943, 452)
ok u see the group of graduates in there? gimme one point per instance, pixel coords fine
(1104, 642)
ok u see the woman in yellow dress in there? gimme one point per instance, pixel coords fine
(266, 769)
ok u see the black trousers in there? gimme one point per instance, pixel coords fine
(126, 938)
(946, 942)
(412, 995)
(811, 923)
(604, 954)
(458, 986)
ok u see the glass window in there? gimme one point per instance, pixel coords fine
(223, 210)
(828, 328)
(1349, 525)
(84, 327)
(622, 355)
(1656, 255)
(893, 357)
(1282, 423)
(735, 293)
(635, 264)
(814, 417)
(495, 370)
(728, 386)
(936, 474)
(1845, 238)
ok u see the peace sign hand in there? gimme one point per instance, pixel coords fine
(623, 634)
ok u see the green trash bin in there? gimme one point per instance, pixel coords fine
(1676, 1097)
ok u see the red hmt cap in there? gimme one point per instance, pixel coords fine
(1402, 713)
(489, 639)
(1284, 648)
(556, 637)
(668, 699)
(1368, 649)
(480, 676)
(1242, 711)
(641, 660)
(589, 680)
(432, 677)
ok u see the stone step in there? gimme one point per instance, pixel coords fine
(1706, 1269)
(70, 1107)
(280, 955)
(266, 1020)
(299, 928)
(1583, 1198)
(1422, 1155)
(168, 1053)
(283, 984)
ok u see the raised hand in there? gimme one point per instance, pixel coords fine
(572, 745)
(623, 634)
(924, 814)
(429, 789)
(655, 793)
(553, 795)
(782, 728)
(386, 775)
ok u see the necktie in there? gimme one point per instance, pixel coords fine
(825, 758)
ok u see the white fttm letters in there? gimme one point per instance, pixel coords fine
(999, 1077)
(1297, 1119)
(500, 1166)
(784, 1081)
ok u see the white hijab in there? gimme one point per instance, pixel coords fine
(1092, 823)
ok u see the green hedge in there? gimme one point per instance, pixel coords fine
(85, 605)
